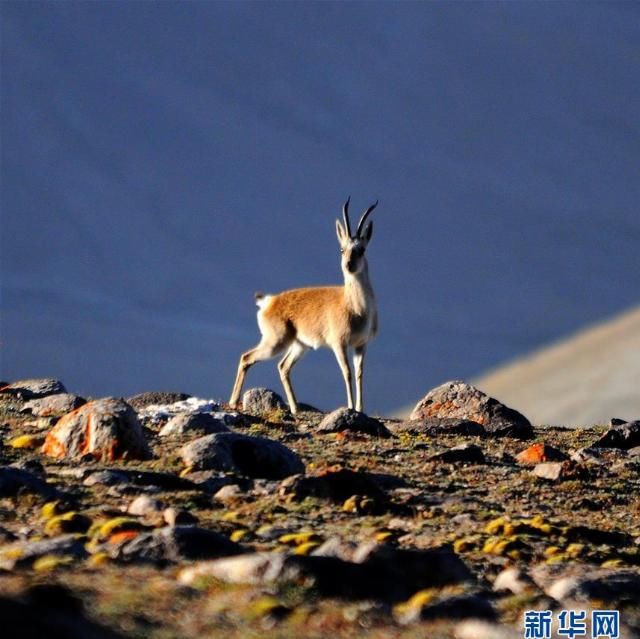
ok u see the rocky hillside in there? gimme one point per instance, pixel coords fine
(165, 515)
(585, 379)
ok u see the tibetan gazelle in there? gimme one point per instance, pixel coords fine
(338, 317)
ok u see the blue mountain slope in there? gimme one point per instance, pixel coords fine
(161, 161)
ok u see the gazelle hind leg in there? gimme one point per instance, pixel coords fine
(295, 352)
(341, 355)
(358, 365)
(264, 350)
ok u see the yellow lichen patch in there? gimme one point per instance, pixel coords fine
(116, 525)
(30, 442)
(575, 550)
(384, 535)
(238, 535)
(51, 508)
(613, 563)
(509, 546)
(186, 471)
(358, 504)
(299, 538)
(99, 559)
(541, 524)
(535, 526)
(496, 526)
(71, 522)
(231, 515)
(266, 605)
(51, 562)
(418, 600)
(551, 551)
(305, 549)
(465, 544)
(12, 553)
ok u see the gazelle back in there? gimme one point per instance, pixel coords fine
(338, 317)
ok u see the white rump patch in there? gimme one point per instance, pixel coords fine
(261, 302)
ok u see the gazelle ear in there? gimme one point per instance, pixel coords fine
(368, 232)
(341, 232)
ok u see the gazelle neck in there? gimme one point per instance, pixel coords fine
(358, 290)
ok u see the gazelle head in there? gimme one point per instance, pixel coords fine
(352, 246)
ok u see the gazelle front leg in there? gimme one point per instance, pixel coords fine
(341, 355)
(358, 365)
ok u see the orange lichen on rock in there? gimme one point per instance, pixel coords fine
(125, 535)
(108, 429)
(538, 453)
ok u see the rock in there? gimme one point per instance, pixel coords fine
(23, 554)
(255, 568)
(335, 484)
(459, 400)
(435, 426)
(13, 481)
(142, 400)
(611, 586)
(228, 493)
(352, 420)
(106, 478)
(107, 429)
(211, 481)
(599, 456)
(424, 606)
(514, 580)
(260, 401)
(243, 454)
(145, 506)
(616, 421)
(177, 543)
(336, 547)
(624, 436)
(383, 573)
(554, 471)
(177, 517)
(52, 611)
(193, 423)
(469, 453)
(115, 476)
(58, 404)
(34, 388)
(539, 453)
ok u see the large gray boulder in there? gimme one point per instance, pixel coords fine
(107, 429)
(249, 456)
(459, 400)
